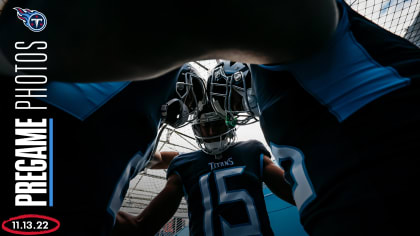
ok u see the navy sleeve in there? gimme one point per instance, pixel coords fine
(172, 166)
(261, 147)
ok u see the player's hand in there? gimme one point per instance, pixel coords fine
(125, 224)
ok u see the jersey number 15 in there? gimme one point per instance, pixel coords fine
(252, 228)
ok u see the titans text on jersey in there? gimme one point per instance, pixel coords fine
(228, 162)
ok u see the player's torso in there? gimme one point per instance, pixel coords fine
(305, 106)
(225, 196)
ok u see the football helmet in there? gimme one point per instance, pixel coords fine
(211, 132)
(231, 95)
(190, 97)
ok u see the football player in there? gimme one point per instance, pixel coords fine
(222, 184)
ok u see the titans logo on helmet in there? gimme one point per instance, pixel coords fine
(34, 20)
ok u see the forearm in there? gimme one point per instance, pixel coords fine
(161, 160)
(155, 215)
(125, 224)
(281, 189)
(146, 223)
(273, 177)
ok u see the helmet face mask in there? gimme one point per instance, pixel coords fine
(212, 134)
(231, 95)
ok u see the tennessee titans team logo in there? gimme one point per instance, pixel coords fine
(34, 20)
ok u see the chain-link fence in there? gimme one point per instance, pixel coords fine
(148, 183)
(400, 17)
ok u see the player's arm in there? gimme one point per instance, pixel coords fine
(156, 214)
(161, 160)
(273, 177)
